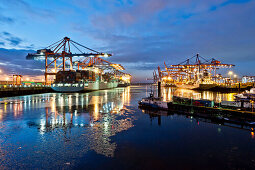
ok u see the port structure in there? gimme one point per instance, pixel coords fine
(196, 69)
(114, 70)
(59, 57)
(17, 80)
(98, 62)
(155, 77)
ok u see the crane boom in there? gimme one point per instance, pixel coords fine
(58, 54)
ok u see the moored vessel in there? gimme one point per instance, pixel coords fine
(247, 95)
(153, 102)
(85, 80)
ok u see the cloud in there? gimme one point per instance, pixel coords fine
(6, 20)
(172, 31)
(14, 41)
(35, 12)
(14, 61)
(6, 33)
(9, 40)
(142, 34)
(128, 15)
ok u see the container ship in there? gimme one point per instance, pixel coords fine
(86, 80)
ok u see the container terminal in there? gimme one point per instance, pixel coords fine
(199, 73)
(241, 110)
(66, 71)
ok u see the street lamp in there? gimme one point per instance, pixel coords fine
(230, 73)
(7, 78)
(235, 78)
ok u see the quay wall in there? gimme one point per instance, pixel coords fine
(8, 91)
(237, 87)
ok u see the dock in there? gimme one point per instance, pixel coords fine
(215, 114)
(202, 108)
(14, 90)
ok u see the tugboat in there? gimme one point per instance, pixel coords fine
(154, 102)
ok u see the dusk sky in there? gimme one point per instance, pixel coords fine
(141, 34)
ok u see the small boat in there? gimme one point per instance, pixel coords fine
(153, 102)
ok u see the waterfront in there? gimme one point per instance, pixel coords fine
(106, 129)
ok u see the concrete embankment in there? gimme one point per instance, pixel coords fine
(224, 88)
(9, 91)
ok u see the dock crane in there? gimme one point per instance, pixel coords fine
(155, 77)
(192, 68)
(58, 55)
(115, 70)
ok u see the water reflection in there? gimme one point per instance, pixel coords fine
(168, 92)
(99, 115)
(156, 116)
(64, 130)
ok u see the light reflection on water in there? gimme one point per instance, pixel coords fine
(107, 128)
(168, 92)
(98, 116)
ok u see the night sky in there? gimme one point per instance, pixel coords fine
(141, 34)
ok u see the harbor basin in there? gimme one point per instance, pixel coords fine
(106, 130)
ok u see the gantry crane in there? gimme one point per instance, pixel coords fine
(115, 70)
(98, 62)
(155, 78)
(192, 69)
(58, 55)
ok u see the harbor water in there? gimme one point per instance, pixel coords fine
(106, 130)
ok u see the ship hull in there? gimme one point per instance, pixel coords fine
(123, 84)
(184, 86)
(79, 87)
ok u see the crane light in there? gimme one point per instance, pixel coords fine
(96, 70)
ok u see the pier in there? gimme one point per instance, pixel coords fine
(18, 90)
(220, 115)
